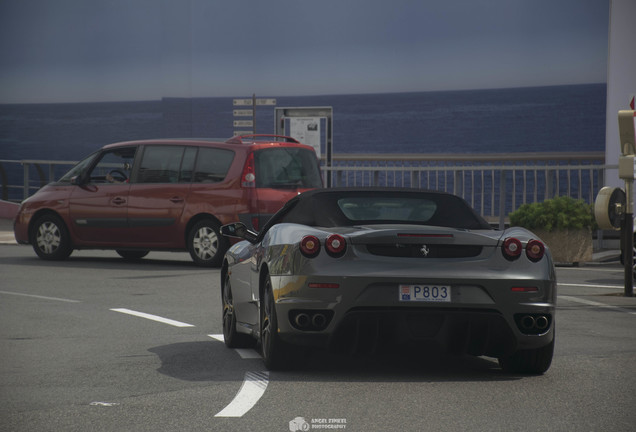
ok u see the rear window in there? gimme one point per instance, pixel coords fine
(338, 207)
(387, 208)
(287, 167)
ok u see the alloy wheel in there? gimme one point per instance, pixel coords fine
(48, 237)
(205, 243)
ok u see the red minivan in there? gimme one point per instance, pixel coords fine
(169, 194)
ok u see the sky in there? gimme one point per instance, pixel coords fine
(116, 50)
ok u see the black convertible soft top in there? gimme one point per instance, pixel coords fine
(362, 206)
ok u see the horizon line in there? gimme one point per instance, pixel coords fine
(300, 96)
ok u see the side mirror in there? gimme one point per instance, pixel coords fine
(238, 229)
(78, 180)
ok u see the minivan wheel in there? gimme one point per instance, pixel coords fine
(50, 238)
(206, 244)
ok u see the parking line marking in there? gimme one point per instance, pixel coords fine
(252, 389)
(152, 317)
(596, 304)
(247, 353)
(218, 337)
(40, 297)
(589, 285)
(244, 353)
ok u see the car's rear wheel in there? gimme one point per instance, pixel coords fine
(206, 244)
(50, 239)
(533, 362)
(132, 255)
(276, 353)
(232, 338)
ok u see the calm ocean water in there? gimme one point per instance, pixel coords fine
(544, 119)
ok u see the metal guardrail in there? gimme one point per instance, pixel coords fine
(34, 174)
(494, 184)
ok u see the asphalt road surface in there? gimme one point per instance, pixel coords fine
(96, 343)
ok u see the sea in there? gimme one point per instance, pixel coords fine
(534, 119)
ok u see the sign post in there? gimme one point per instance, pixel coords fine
(627, 172)
(251, 112)
(312, 126)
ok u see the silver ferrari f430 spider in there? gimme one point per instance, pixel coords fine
(364, 269)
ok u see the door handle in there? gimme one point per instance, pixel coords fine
(118, 201)
(176, 199)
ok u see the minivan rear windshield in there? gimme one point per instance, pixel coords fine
(287, 167)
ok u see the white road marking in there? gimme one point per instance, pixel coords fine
(596, 304)
(592, 269)
(152, 317)
(254, 386)
(40, 297)
(105, 404)
(218, 337)
(590, 285)
(244, 353)
(247, 353)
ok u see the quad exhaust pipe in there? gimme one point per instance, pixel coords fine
(310, 320)
(302, 320)
(533, 324)
(319, 320)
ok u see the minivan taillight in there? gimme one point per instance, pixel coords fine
(248, 178)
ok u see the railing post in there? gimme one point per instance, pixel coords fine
(502, 199)
(415, 182)
(549, 184)
(51, 173)
(25, 180)
(5, 183)
(458, 184)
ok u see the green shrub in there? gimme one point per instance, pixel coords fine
(554, 214)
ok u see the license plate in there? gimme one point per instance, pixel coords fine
(425, 293)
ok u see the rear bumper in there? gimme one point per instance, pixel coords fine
(473, 332)
(365, 314)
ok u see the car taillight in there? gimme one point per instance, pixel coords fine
(336, 245)
(524, 289)
(248, 178)
(535, 250)
(310, 246)
(511, 248)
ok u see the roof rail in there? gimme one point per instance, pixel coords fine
(239, 139)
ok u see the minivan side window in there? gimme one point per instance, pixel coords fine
(212, 165)
(163, 164)
(114, 166)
